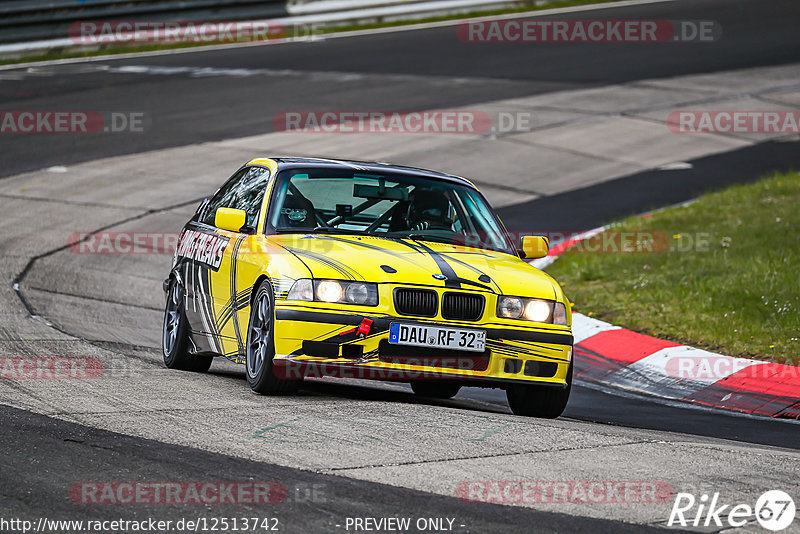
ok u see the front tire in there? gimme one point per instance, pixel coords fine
(175, 336)
(260, 350)
(539, 401)
(435, 390)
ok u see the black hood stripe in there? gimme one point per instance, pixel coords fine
(371, 247)
(339, 267)
(452, 279)
(476, 270)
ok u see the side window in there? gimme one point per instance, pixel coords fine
(222, 198)
(243, 191)
(250, 193)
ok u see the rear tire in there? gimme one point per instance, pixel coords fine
(175, 336)
(260, 349)
(435, 390)
(539, 401)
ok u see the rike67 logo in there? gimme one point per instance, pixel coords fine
(774, 510)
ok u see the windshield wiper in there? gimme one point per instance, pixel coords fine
(423, 237)
(317, 230)
(453, 241)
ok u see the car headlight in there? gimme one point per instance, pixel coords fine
(535, 310)
(335, 291)
(356, 293)
(510, 307)
(560, 314)
(302, 289)
(359, 293)
(329, 291)
(538, 310)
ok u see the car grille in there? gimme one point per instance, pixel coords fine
(418, 302)
(462, 306)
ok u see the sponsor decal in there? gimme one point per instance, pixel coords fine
(295, 214)
(203, 248)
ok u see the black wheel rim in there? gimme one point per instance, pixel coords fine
(172, 320)
(258, 344)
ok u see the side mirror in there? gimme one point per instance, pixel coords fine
(230, 219)
(534, 246)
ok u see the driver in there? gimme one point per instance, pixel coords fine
(428, 209)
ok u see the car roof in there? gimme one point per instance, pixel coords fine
(366, 166)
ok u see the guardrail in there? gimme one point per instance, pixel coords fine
(26, 20)
(44, 24)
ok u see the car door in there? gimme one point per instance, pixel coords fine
(207, 255)
(198, 247)
(226, 297)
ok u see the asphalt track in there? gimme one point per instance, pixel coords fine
(395, 71)
(426, 69)
(307, 507)
(579, 210)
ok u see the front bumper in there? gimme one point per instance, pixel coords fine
(317, 341)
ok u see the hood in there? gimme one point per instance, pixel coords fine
(404, 261)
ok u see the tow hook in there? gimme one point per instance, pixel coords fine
(363, 329)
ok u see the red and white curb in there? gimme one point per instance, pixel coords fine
(617, 357)
(559, 248)
(624, 359)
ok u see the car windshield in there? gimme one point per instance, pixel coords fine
(387, 204)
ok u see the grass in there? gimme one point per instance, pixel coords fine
(727, 278)
(110, 49)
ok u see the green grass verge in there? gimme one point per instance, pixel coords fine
(108, 50)
(728, 278)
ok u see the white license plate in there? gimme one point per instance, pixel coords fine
(437, 337)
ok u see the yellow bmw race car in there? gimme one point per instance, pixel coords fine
(315, 267)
